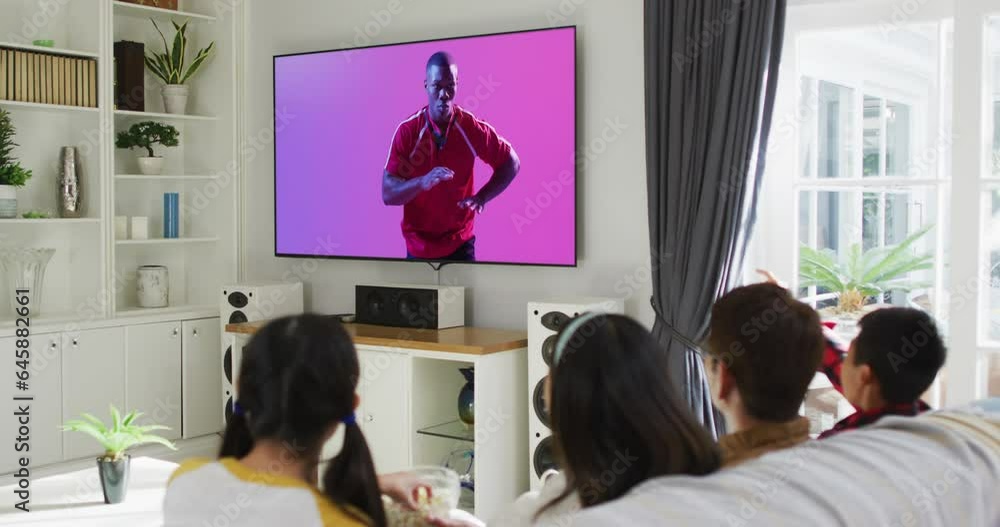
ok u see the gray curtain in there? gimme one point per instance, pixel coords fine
(711, 75)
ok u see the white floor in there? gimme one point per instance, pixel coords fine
(70, 493)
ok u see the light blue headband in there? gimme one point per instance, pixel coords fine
(572, 328)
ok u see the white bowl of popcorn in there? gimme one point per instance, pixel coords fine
(439, 498)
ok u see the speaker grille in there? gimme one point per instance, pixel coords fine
(227, 364)
(538, 402)
(554, 320)
(549, 349)
(238, 317)
(543, 459)
(229, 409)
(238, 300)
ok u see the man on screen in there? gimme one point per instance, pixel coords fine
(430, 165)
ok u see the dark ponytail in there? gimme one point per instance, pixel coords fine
(297, 379)
(236, 440)
(350, 478)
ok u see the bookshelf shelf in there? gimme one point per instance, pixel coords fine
(168, 116)
(165, 241)
(50, 51)
(164, 177)
(50, 221)
(127, 9)
(48, 107)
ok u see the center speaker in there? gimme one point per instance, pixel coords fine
(410, 306)
(545, 320)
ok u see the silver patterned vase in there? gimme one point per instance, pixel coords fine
(152, 286)
(24, 269)
(70, 201)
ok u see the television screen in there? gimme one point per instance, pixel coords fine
(457, 150)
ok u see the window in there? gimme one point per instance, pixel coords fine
(886, 131)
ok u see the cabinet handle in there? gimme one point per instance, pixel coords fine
(75, 342)
(195, 332)
(176, 331)
(369, 418)
(53, 344)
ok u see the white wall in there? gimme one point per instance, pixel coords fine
(614, 237)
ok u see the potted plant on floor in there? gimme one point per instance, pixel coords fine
(145, 135)
(123, 434)
(859, 276)
(169, 66)
(12, 174)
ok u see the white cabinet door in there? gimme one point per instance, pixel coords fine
(93, 378)
(45, 438)
(153, 375)
(384, 390)
(202, 377)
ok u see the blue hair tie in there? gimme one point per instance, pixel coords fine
(237, 409)
(350, 419)
(572, 328)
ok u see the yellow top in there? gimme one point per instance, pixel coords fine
(202, 489)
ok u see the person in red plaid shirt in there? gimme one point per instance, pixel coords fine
(892, 361)
(885, 369)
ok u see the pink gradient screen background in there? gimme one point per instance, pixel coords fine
(341, 109)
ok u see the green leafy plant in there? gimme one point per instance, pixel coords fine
(121, 435)
(146, 134)
(169, 66)
(35, 215)
(859, 276)
(11, 172)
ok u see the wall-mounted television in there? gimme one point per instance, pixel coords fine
(451, 150)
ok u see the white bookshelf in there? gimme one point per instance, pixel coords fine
(141, 11)
(50, 108)
(90, 267)
(43, 49)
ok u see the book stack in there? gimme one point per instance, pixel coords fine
(28, 76)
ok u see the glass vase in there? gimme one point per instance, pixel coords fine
(24, 268)
(466, 398)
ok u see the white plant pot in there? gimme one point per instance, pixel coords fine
(8, 201)
(151, 166)
(175, 98)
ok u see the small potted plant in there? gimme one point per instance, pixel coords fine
(123, 434)
(12, 174)
(860, 276)
(169, 66)
(145, 135)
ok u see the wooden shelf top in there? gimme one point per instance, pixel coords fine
(467, 340)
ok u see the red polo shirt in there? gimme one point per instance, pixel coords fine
(434, 226)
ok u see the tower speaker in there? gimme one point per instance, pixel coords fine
(545, 320)
(250, 302)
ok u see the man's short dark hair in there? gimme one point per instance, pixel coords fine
(904, 350)
(772, 344)
(441, 59)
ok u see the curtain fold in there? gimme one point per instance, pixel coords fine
(711, 77)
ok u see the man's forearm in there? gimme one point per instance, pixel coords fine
(501, 179)
(399, 191)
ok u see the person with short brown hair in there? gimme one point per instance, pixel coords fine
(763, 349)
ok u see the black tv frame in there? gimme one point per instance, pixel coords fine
(441, 263)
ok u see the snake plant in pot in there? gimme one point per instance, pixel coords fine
(172, 68)
(858, 277)
(12, 174)
(122, 434)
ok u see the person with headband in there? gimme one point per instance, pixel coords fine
(616, 420)
(297, 386)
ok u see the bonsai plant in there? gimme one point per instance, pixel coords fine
(123, 434)
(169, 66)
(12, 174)
(145, 135)
(859, 276)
